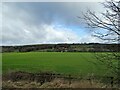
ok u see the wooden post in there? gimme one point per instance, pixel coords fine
(111, 82)
(69, 79)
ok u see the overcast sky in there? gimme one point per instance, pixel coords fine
(46, 22)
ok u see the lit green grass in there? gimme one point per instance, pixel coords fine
(58, 62)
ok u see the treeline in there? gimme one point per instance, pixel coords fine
(90, 47)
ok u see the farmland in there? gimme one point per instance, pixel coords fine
(74, 63)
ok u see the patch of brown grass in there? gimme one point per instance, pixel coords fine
(56, 83)
(61, 83)
(30, 80)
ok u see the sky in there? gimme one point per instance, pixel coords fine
(25, 23)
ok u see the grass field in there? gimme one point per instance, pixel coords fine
(59, 62)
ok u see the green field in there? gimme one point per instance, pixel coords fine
(81, 63)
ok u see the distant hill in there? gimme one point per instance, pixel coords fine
(75, 47)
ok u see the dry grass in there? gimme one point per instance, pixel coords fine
(61, 83)
(0, 81)
(56, 83)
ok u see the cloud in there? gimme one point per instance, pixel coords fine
(91, 39)
(31, 23)
(17, 31)
(42, 34)
(39, 13)
(0, 23)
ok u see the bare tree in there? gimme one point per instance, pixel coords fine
(109, 21)
(108, 24)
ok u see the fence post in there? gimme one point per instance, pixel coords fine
(69, 79)
(111, 82)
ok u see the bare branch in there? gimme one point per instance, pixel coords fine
(109, 22)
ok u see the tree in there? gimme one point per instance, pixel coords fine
(109, 21)
(108, 29)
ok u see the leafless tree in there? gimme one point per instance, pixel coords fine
(109, 21)
(108, 24)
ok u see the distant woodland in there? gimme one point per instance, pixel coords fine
(89, 47)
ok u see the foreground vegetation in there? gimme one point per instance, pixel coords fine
(56, 83)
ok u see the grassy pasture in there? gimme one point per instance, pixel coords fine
(82, 63)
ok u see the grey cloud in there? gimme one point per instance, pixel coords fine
(28, 23)
(52, 12)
